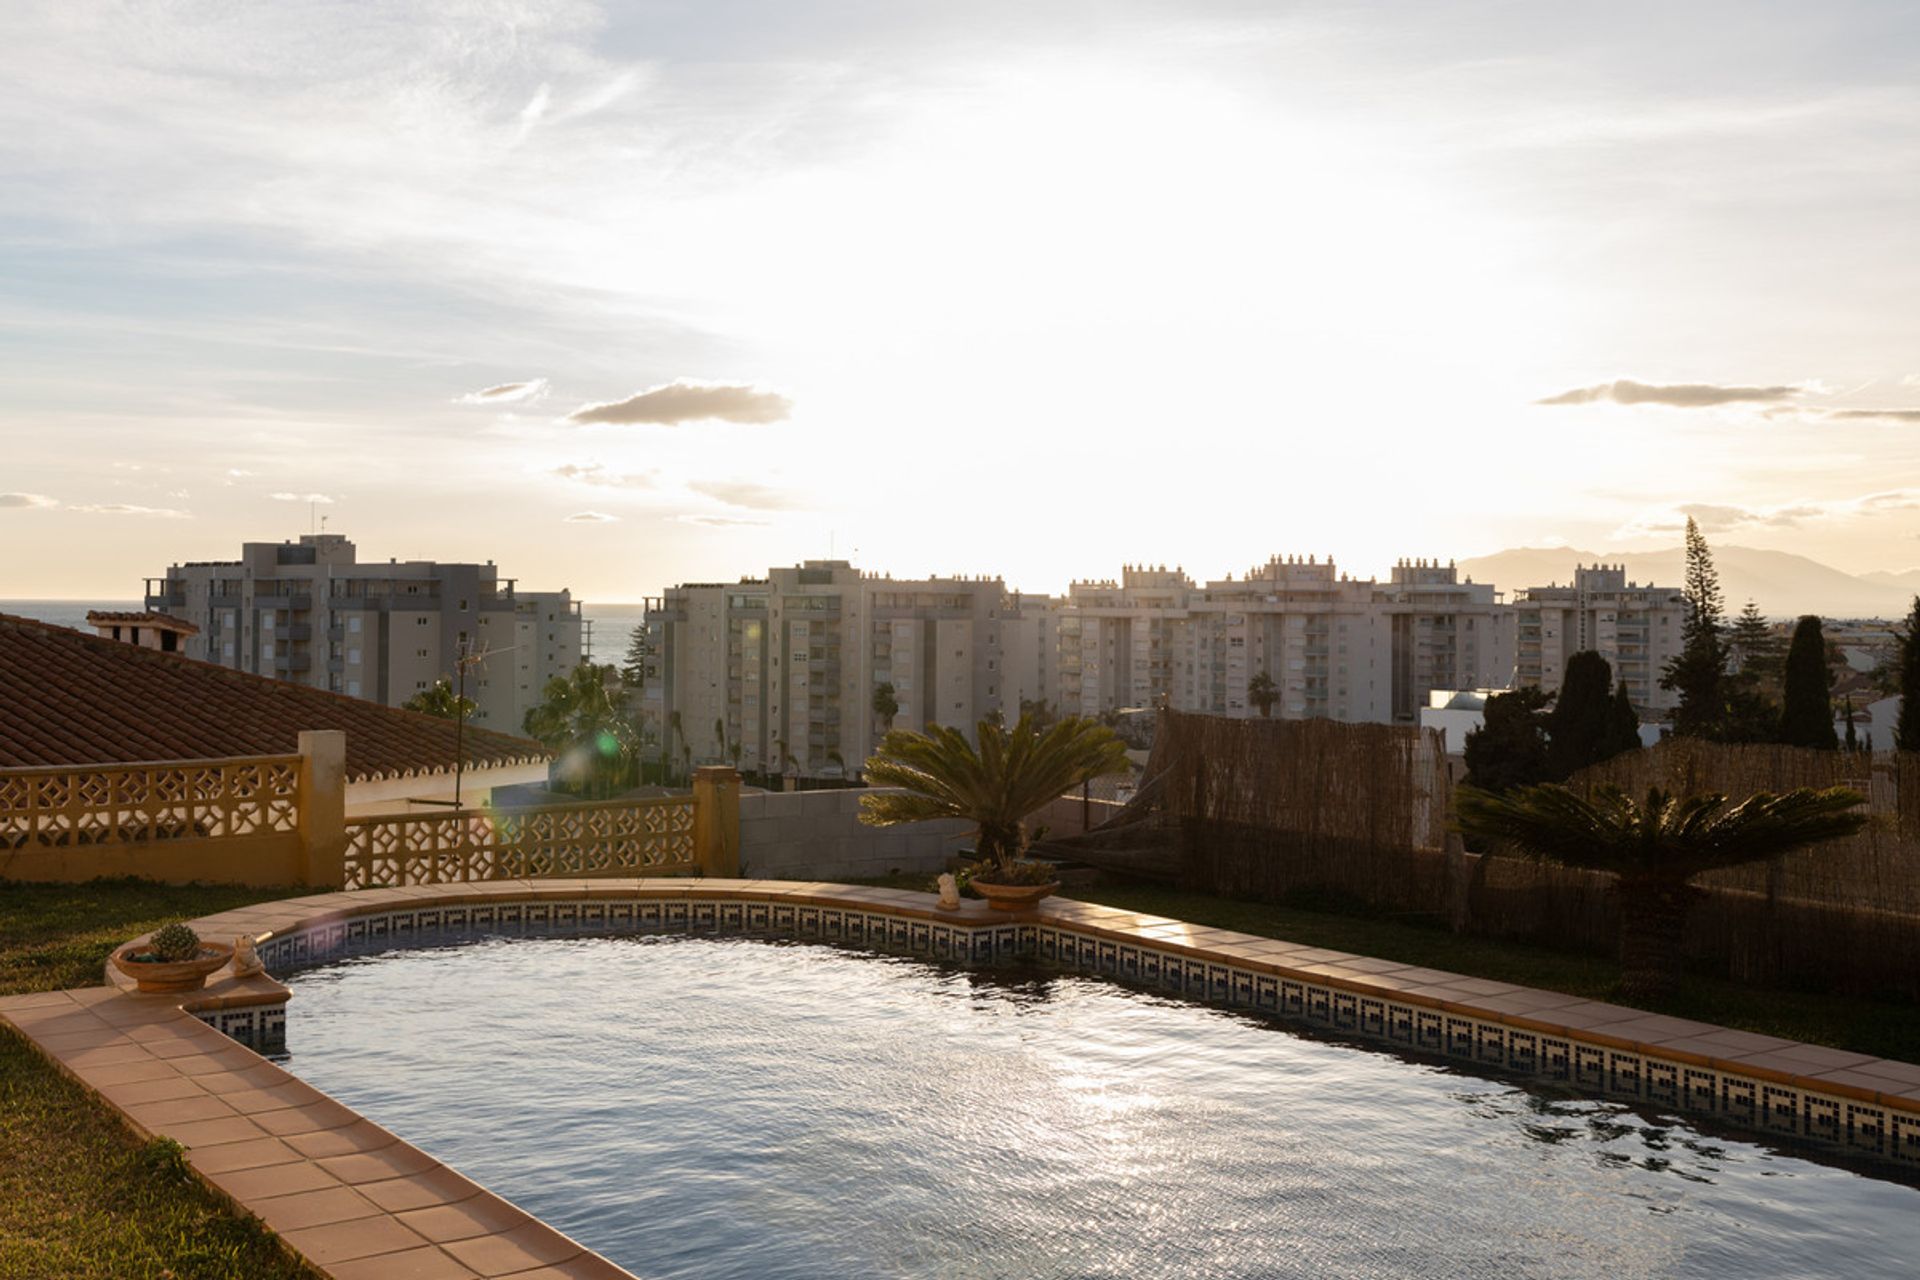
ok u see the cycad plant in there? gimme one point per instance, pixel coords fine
(1655, 847)
(1013, 772)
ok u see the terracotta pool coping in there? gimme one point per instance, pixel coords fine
(359, 1202)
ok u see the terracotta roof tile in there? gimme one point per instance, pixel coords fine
(104, 617)
(71, 698)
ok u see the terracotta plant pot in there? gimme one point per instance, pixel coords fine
(172, 976)
(1012, 897)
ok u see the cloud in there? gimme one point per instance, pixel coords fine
(596, 473)
(1722, 518)
(743, 493)
(320, 498)
(126, 509)
(720, 522)
(684, 401)
(506, 393)
(26, 500)
(1686, 395)
(1883, 415)
(592, 517)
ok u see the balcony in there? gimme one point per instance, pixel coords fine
(292, 663)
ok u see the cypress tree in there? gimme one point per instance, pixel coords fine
(1577, 727)
(1806, 714)
(1695, 673)
(1623, 725)
(1510, 747)
(1906, 729)
(1852, 741)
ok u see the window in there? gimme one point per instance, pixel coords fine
(419, 684)
(463, 606)
(419, 653)
(353, 656)
(353, 688)
(420, 621)
(353, 624)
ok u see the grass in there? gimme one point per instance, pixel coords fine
(1885, 1028)
(80, 1196)
(55, 936)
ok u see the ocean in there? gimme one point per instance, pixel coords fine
(611, 626)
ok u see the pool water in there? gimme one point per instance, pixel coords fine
(738, 1108)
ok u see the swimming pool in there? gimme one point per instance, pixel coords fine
(702, 1106)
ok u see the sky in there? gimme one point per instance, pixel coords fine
(627, 294)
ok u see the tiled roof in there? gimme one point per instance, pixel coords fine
(100, 617)
(71, 698)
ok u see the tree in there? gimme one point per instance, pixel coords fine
(1623, 725)
(633, 670)
(939, 774)
(1756, 646)
(585, 719)
(1852, 741)
(1577, 725)
(1806, 711)
(1044, 716)
(885, 704)
(1655, 848)
(1509, 749)
(442, 702)
(1695, 672)
(1906, 729)
(1262, 692)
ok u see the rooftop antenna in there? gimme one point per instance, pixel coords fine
(466, 657)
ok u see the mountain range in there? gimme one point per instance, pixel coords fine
(1784, 585)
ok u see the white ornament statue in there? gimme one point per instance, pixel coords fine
(246, 960)
(949, 894)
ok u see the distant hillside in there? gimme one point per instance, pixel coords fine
(1783, 584)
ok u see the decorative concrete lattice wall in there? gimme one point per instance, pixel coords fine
(168, 800)
(632, 837)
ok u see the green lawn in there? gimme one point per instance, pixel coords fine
(79, 1196)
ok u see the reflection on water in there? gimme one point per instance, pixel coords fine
(733, 1108)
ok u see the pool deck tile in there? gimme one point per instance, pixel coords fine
(532, 1244)
(484, 1214)
(430, 1263)
(360, 1203)
(319, 1208)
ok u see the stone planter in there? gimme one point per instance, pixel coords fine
(1012, 897)
(172, 976)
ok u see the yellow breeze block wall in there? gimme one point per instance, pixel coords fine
(259, 820)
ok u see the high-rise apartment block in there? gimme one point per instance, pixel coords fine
(780, 672)
(310, 612)
(1635, 627)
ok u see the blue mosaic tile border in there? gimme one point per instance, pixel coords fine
(1849, 1125)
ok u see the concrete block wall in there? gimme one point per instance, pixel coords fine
(818, 835)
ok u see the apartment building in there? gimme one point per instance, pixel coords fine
(779, 672)
(311, 612)
(1335, 646)
(1635, 627)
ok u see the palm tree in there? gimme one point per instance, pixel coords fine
(441, 702)
(585, 718)
(1262, 692)
(885, 704)
(1015, 771)
(1655, 848)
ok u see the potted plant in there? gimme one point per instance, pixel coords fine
(173, 959)
(1011, 774)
